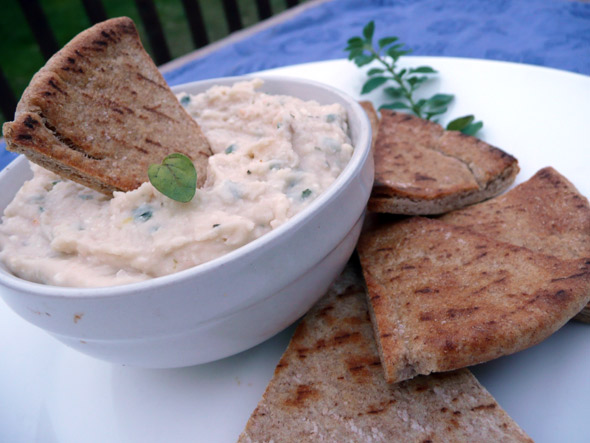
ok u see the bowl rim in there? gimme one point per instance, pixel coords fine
(361, 152)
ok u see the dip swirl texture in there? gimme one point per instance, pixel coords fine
(272, 156)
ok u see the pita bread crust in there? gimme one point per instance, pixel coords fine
(423, 169)
(329, 386)
(546, 214)
(445, 297)
(99, 113)
(373, 120)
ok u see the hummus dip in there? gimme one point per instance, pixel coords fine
(272, 156)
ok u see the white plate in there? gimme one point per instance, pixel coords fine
(49, 393)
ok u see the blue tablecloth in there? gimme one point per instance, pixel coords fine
(553, 33)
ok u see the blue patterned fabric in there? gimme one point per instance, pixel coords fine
(553, 33)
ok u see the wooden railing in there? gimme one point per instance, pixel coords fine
(47, 43)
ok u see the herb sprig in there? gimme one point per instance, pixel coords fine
(176, 177)
(388, 51)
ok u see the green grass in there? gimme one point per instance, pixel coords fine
(20, 57)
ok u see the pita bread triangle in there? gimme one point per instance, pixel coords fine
(329, 386)
(546, 214)
(99, 113)
(421, 169)
(444, 297)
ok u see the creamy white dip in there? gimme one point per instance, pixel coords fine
(273, 155)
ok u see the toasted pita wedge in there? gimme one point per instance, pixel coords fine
(99, 113)
(445, 297)
(422, 169)
(546, 214)
(329, 386)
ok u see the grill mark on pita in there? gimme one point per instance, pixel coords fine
(93, 48)
(143, 77)
(324, 311)
(460, 312)
(69, 142)
(30, 122)
(346, 337)
(302, 352)
(283, 364)
(302, 393)
(127, 145)
(426, 291)
(484, 407)
(108, 103)
(360, 366)
(54, 86)
(68, 69)
(152, 142)
(426, 316)
(422, 177)
(384, 249)
(320, 344)
(487, 287)
(449, 345)
(154, 110)
(421, 388)
(581, 274)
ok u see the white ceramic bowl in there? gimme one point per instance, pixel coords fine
(228, 304)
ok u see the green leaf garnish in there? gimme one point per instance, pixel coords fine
(176, 177)
(422, 70)
(143, 213)
(465, 124)
(472, 128)
(305, 193)
(363, 59)
(369, 30)
(362, 51)
(373, 83)
(375, 71)
(459, 123)
(386, 41)
(440, 100)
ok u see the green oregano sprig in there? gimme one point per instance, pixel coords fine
(406, 80)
